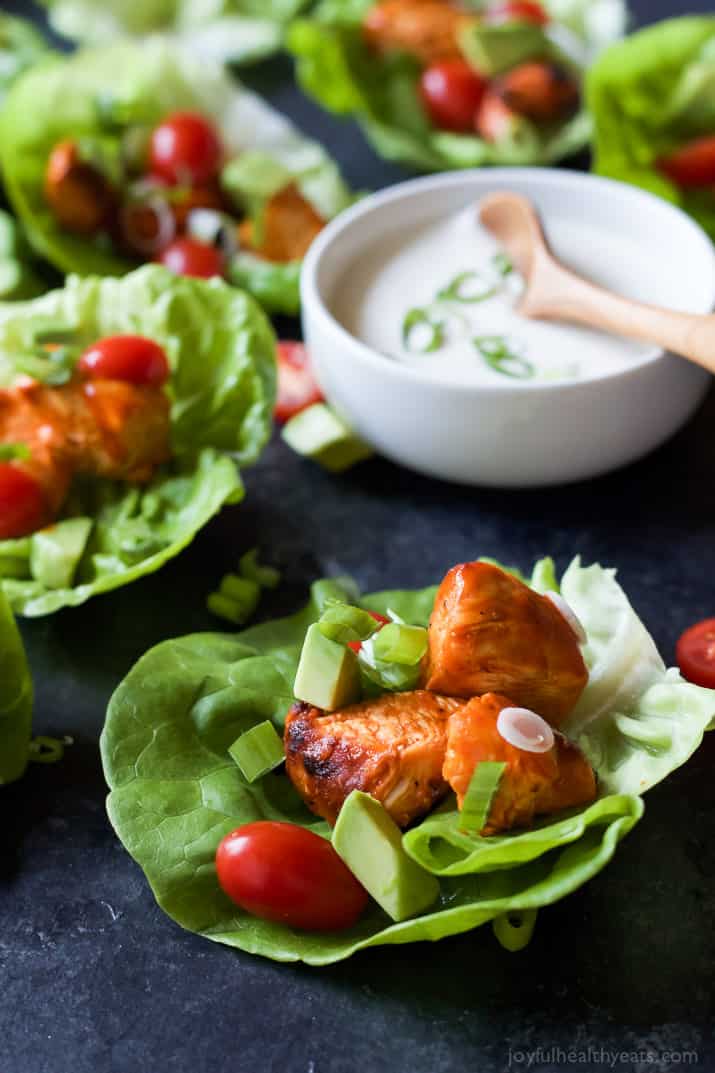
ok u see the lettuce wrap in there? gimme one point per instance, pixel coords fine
(649, 95)
(238, 31)
(175, 792)
(21, 46)
(99, 94)
(334, 65)
(16, 698)
(221, 350)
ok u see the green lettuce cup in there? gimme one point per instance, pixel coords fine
(175, 792)
(99, 95)
(237, 31)
(21, 46)
(221, 351)
(16, 698)
(649, 95)
(335, 66)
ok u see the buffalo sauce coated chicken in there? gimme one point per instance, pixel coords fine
(392, 748)
(92, 425)
(289, 225)
(491, 633)
(426, 29)
(532, 784)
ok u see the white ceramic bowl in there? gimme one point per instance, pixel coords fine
(513, 434)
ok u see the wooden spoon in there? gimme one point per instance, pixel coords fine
(555, 293)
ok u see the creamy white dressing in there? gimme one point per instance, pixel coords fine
(438, 299)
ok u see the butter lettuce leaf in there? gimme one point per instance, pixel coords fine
(236, 31)
(672, 63)
(221, 350)
(16, 698)
(21, 46)
(100, 93)
(334, 65)
(175, 792)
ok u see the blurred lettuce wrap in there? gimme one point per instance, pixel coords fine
(238, 31)
(16, 698)
(335, 65)
(175, 791)
(650, 94)
(221, 351)
(21, 46)
(96, 96)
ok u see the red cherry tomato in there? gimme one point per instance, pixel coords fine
(284, 873)
(494, 121)
(518, 11)
(126, 357)
(451, 92)
(693, 165)
(695, 653)
(185, 149)
(297, 388)
(187, 257)
(357, 645)
(22, 502)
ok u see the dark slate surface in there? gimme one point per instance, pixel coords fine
(94, 978)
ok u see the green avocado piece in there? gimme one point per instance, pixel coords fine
(328, 674)
(56, 551)
(493, 49)
(319, 433)
(370, 843)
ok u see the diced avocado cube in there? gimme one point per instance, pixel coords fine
(328, 675)
(56, 551)
(370, 843)
(319, 433)
(493, 49)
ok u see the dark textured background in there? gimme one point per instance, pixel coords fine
(93, 977)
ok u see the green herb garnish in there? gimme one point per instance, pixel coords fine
(515, 928)
(14, 452)
(422, 333)
(467, 287)
(480, 794)
(502, 263)
(502, 359)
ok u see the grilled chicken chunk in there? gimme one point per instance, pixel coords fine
(108, 428)
(532, 784)
(392, 748)
(289, 225)
(491, 633)
(426, 29)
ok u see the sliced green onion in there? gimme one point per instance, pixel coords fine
(46, 750)
(258, 751)
(54, 367)
(334, 590)
(396, 643)
(344, 623)
(236, 600)
(467, 287)
(480, 794)
(14, 452)
(498, 356)
(502, 263)
(265, 576)
(422, 333)
(514, 929)
(379, 675)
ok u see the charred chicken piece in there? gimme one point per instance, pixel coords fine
(392, 748)
(81, 197)
(541, 92)
(426, 29)
(531, 785)
(106, 428)
(289, 225)
(489, 632)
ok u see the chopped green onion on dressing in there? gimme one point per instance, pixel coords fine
(502, 359)
(422, 332)
(258, 751)
(480, 794)
(467, 287)
(501, 263)
(515, 928)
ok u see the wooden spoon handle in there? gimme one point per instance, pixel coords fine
(555, 293)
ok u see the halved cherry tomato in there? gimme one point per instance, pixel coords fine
(282, 872)
(297, 388)
(494, 121)
(693, 165)
(517, 11)
(185, 148)
(452, 92)
(22, 502)
(188, 257)
(133, 358)
(357, 645)
(695, 653)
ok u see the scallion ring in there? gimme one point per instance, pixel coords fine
(422, 331)
(467, 287)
